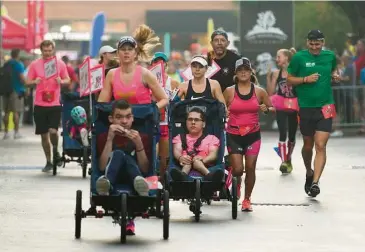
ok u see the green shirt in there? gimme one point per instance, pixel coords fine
(317, 94)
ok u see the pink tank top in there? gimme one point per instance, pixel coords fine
(135, 92)
(244, 113)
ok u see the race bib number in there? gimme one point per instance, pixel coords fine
(48, 96)
(291, 104)
(329, 111)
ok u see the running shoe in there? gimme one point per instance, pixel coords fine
(308, 183)
(141, 186)
(289, 166)
(48, 167)
(178, 175)
(131, 228)
(284, 167)
(246, 205)
(215, 176)
(103, 186)
(314, 190)
(84, 137)
(6, 136)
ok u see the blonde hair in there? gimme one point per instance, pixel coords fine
(147, 41)
(288, 52)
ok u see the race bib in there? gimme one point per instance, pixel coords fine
(245, 129)
(329, 111)
(291, 104)
(48, 96)
(281, 103)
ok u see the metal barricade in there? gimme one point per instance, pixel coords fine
(350, 106)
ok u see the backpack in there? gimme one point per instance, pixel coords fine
(6, 83)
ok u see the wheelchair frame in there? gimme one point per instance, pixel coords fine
(198, 191)
(124, 206)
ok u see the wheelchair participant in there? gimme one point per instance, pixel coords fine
(123, 153)
(196, 150)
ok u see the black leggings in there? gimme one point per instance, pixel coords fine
(287, 122)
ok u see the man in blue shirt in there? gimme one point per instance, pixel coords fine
(15, 101)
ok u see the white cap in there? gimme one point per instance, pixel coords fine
(201, 60)
(107, 49)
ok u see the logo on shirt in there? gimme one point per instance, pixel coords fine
(310, 64)
(264, 29)
(225, 70)
(197, 98)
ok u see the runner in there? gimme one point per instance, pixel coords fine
(244, 101)
(130, 81)
(107, 58)
(311, 71)
(200, 87)
(226, 59)
(47, 107)
(170, 86)
(284, 99)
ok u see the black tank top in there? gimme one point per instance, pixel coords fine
(282, 88)
(192, 95)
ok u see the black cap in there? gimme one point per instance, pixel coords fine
(315, 35)
(219, 32)
(245, 62)
(127, 40)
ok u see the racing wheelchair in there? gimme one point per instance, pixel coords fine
(72, 149)
(123, 203)
(196, 190)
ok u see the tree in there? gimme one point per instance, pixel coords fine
(329, 18)
(355, 11)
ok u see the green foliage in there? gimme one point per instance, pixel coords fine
(327, 17)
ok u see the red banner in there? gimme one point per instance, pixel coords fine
(31, 15)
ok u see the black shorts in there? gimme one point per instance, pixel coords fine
(312, 120)
(244, 145)
(46, 118)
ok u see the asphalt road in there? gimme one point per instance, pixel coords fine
(36, 209)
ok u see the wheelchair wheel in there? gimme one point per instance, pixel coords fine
(84, 162)
(123, 218)
(158, 204)
(197, 200)
(78, 214)
(234, 198)
(166, 215)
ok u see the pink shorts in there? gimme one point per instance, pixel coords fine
(247, 145)
(164, 132)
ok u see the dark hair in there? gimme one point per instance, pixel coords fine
(200, 139)
(65, 59)
(120, 104)
(46, 43)
(15, 53)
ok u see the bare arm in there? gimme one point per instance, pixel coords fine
(266, 105)
(177, 150)
(106, 93)
(212, 156)
(157, 90)
(271, 82)
(217, 92)
(182, 90)
(228, 95)
(294, 81)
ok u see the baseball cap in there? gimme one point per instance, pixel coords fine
(127, 40)
(199, 59)
(315, 35)
(245, 62)
(219, 32)
(107, 49)
(160, 55)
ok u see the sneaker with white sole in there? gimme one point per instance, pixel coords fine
(17, 135)
(6, 136)
(102, 186)
(84, 137)
(141, 186)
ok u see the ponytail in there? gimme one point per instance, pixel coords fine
(288, 52)
(147, 41)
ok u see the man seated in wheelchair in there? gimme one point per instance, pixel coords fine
(122, 153)
(78, 125)
(196, 150)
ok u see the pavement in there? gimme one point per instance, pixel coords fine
(36, 209)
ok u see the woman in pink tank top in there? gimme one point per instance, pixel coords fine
(130, 81)
(244, 101)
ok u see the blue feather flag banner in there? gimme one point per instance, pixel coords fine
(97, 32)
